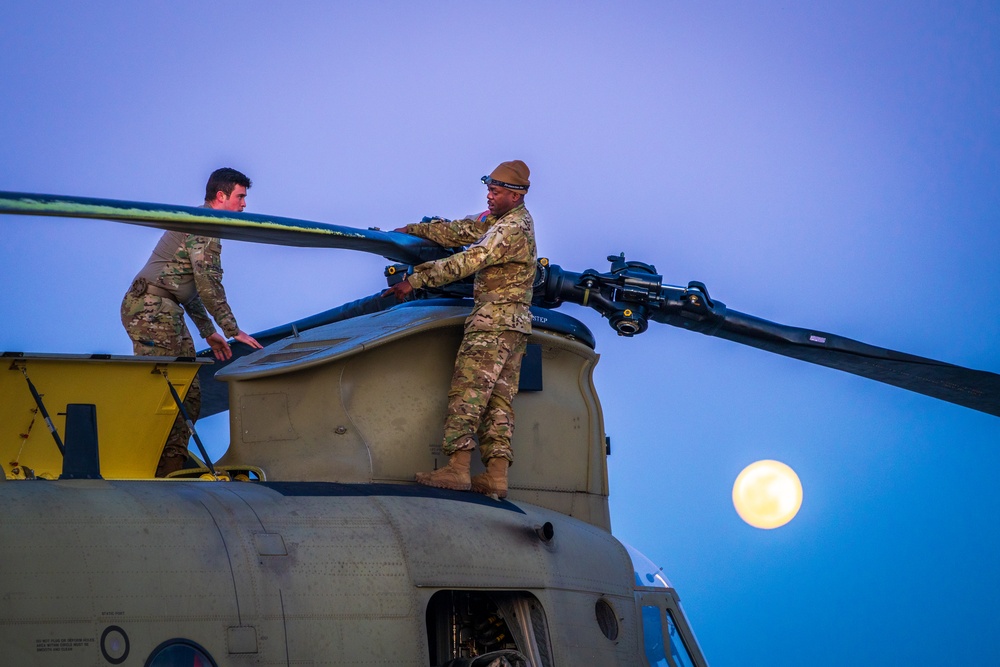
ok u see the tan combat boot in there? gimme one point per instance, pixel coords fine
(494, 480)
(455, 475)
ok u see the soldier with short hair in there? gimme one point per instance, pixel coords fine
(184, 274)
(502, 256)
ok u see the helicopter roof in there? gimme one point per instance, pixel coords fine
(355, 335)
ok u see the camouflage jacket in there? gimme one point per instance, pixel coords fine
(501, 255)
(190, 268)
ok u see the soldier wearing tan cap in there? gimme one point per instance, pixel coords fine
(487, 369)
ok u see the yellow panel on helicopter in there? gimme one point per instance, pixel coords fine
(135, 409)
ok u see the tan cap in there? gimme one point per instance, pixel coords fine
(512, 175)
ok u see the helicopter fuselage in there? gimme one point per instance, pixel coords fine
(328, 553)
(117, 572)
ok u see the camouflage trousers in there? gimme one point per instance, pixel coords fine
(483, 386)
(157, 329)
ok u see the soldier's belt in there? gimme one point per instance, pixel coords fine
(160, 292)
(502, 299)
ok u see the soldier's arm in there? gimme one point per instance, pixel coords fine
(450, 233)
(493, 248)
(206, 262)
(196, 311)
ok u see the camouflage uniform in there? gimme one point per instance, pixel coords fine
(184, 273)
(488, 364)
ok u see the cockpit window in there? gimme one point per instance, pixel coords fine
(659, 644)
(652, 632)
(678, 651)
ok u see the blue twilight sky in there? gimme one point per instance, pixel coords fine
(827, 165)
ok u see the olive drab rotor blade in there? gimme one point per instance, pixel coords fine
(631, 295)
(251, 227)
(979, 390)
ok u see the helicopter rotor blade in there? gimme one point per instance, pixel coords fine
(632, 294)
(251, 227)
(629, 296)
(979, 390)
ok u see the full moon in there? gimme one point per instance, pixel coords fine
(767, 494)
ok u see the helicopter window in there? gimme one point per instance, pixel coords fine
(179, 653)
(652, 632)
(678, 651)
(469, 628)
(653, 639)
(606, 619)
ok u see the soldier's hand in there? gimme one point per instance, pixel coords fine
(400, 290)
(247, 339)
(220, 348)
